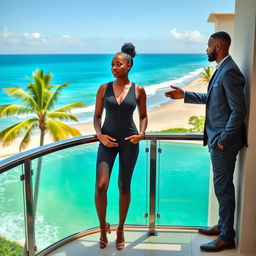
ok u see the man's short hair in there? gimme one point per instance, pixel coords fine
(222, 35)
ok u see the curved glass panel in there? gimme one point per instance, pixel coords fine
(12, 227)
(139, 193)
(64, 193)
(183, 183)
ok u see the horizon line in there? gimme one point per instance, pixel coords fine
(96, 53)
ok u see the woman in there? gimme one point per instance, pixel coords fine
(118, 135)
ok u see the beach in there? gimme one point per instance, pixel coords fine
(173, 115)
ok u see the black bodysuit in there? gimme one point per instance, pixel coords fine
(119, 124)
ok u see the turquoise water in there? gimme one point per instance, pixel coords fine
(66, 193)
(86, 72)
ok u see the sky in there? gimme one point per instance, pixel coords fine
(102, 26)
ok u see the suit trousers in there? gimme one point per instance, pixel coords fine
(223, 163)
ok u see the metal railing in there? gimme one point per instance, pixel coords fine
(25, 159)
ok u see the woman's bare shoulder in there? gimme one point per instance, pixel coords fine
(139, 88)
(102, 88)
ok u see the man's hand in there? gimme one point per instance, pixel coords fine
(175, 94)
(220, 147)
(107, 141)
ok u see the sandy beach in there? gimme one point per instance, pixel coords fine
(173, 115)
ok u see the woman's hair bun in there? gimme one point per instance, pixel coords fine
(129, 49)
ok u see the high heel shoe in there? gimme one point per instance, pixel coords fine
(107, 229)
(120, 245)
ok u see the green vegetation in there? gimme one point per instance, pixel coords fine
(174, 130)
(206, 74)
(196, 121)
(10, 248)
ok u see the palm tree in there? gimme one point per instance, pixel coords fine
(39, 99)
(206, 74)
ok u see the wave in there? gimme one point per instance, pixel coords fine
(12, 226)
(152, 89)
(85, 114)
(83, 110)
(12, 217)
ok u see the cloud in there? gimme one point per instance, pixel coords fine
(193, 36)
(9, 37)
(36, 35)
(66, 36)
(37, 42)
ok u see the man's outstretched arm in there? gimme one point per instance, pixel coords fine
(189, 97)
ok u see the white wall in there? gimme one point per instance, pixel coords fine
(226, 23)
(245, 56)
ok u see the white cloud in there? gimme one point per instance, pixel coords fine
(36, 35)
(189, 36)
(66, 36)
(9, 37)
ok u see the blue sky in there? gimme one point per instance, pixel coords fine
(101, 26)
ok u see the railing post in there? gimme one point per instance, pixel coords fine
(29, 210)
(152, 189)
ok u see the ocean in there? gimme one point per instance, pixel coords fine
(86, 72)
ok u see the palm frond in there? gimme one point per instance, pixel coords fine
(21, 94)
(27, 137)
(13, 109)
(62, 116)
(60, 131)
(40, 88)
(69, 107)
(54, 96)
(11, 133)
(47, 79)
(206, 74)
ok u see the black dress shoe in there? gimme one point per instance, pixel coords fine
(217, 245)
(210, 231)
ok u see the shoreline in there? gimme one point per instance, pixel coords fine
(171, 115)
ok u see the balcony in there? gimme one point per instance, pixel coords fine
(170, 198)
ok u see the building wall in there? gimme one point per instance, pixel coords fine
(245, 56)
(226, 23)
(242, 29)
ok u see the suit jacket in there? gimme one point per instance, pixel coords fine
(225, 107)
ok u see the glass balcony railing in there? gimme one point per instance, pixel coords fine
(12, 223)
(170, 187)
(182, 183)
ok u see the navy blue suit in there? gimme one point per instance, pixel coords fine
(224, 124)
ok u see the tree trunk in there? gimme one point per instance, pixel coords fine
(37, 182)
(38, 173)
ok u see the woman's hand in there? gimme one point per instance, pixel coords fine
(135, 138)
(107, 140)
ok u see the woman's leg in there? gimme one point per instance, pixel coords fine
(127, 159)
(105, 161)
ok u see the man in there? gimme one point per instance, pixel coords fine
(224, 133)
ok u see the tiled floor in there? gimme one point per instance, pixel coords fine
(171, 243)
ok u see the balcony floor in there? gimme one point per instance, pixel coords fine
(167, 242)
